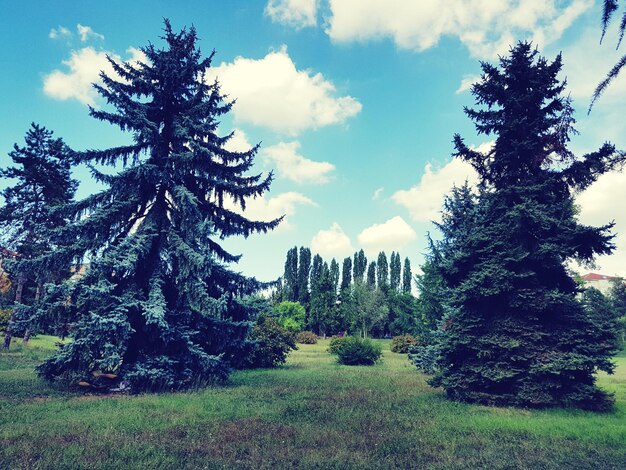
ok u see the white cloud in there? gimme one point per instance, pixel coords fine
(424, 201)
(269, 208)
(60, 33)
(598, 207)
(86, 33)
(295, 13)
(84, 69)
(391, 235)
(295, 167)
(467, 82)
(271, 92)
(238, 142)
(332, 243)
(486, 27)
(377, 194)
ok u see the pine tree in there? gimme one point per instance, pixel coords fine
(407, 277)
(346, 274)
(159, 305)
(304, 269)
(290, 277)
(395, 271)
(30, 213)
(371, 275)
(518, 336)
(382, 272)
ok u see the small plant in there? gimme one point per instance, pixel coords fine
(336, 343)
(273, 344)
(306, 337)
(356, 351)
(401, 344)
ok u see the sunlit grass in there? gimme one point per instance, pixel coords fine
(311, 413)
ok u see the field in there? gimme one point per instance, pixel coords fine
(311, 413)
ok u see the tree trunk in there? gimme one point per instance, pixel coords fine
(8, 334)
(37, 296)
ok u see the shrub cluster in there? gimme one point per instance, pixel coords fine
(306, 337)
(273, 344)
(356, 351)
(401, 344)
(336, 343)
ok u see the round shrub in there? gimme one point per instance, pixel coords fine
(273, 344)
(401, 344)
(336, 343)
(356, 351)
(306, 337)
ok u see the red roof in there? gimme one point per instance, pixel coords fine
(598, 277)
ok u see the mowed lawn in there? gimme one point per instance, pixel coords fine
(311, 413)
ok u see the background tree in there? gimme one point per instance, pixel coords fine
(290, 276)
(346, 274)
(334, 274)
(30, 213)
(369, 308)
(518, 336)
(304, 270)
(322, 302)
(407, 277)
(617, 297)
(395, 271)
(382, 272)
(371, 275)
(359, 266)
(159, 305)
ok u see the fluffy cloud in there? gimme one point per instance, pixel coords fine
(86, 33)
(332, 243)
(238, 142)
(467, 82)
(598, 207)
(60, 33)
(486, 27)
(295, 13)
(84, 69)
(294, 167)
(390, 235)
(424, 200)
(271, 92)
(377, 194)
(269, 208)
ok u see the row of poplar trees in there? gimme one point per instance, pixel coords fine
(331, 295)
(154, 304)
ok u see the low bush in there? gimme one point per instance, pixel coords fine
(401, 344)
(273, 344)
(356, 351)
(336, 343)
(306, 337)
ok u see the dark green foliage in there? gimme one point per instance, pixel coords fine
(5, 317)
(617, 296)
(323, 298)
(516, 334)
(401, 344)
(273, 344)
(159, 304)
(395, 271)
(336, 343)
(346, 274)
(334, 274)
(603, 316)
(304, 269)
(356, 351)
(359, 266)
(432, 292)
(290, 277)
(404, 314)
(290, 315)
(306, 337)
(368, 309)
(407, 277)
(382, 272)
(371, 275)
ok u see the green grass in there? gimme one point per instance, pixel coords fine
(311, 413)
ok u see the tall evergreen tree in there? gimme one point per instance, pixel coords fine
(382, 272)
(395, 271)
(359, 266)
(334, 274)
(304, 269)
(407, 276)
(290, 276)
(346, 274)
(159, 305)
(518, 335)
(30, 213)
(371, 275)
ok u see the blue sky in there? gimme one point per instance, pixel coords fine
(355, 102)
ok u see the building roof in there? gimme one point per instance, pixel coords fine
(598, 277)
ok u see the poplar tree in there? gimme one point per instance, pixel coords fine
(334, 274)
(359, 266)
(407, 277)
(290, 276)
(395, 271)
(29, 214)
(382, 271)
(159, 304)
(346, 274)
(304, 269)
(516, 334)
(371, 275)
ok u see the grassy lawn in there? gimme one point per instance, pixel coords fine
(311, 413)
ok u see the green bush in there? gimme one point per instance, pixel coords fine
(5, 317)
(273, 344)
(290, 315)
(356, 351)
(401, 344)
(336, 343)
(306, 337)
